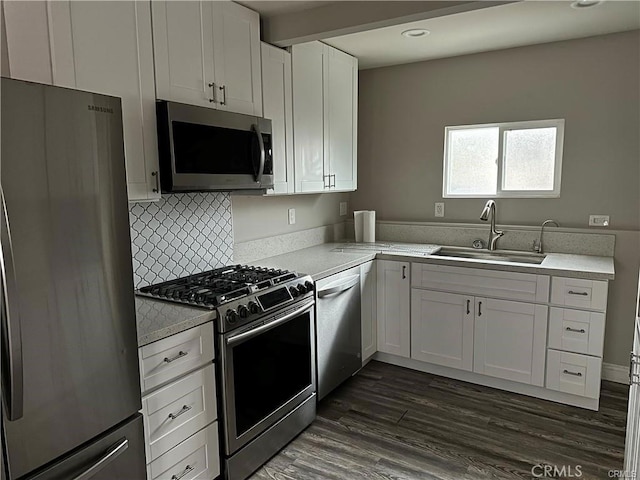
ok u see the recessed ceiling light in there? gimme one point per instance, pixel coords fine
(585, 3)
(415, 33)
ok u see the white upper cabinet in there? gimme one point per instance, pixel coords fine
(308, 117)
(325, 93)
(341, 119)
(107, 47)
(26, 51)
(208, 54)
(102, 47)
(276, 101)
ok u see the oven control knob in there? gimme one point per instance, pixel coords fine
(309, 286)
(254, 307)
(302, 289)
(294, 292)
(232, 316)
(243, 311)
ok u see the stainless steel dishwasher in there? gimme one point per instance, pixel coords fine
(338, 329)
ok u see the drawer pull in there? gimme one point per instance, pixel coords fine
(479, 309)
(184, 409)
(569, 329)
(184, 472)
(584, 294)
(468, 304)
(575, 374)
(179, 355)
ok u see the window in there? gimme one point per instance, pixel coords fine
(518, 160)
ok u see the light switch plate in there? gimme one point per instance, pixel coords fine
(439, 209)
(343, 208)
(292, 216)
(598, 220)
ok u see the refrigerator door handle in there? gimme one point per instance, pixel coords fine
(112, 453)
(12, 327)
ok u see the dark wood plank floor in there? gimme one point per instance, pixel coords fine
(389, 422)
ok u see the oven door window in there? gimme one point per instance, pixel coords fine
(205, 149)
(270, 369)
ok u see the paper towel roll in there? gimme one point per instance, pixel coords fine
(369, 226)
(358, 223)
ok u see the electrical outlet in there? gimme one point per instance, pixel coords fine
(598, 220)
(292, 216)
(439, 209)
(343, 208)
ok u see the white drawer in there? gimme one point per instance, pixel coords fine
(195, 458)
(576, 292)
(486, 283)
(576, 331)
(177, 411)
(573, 373)
(171, 357)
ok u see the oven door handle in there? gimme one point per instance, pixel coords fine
(268, 326)
(263, 153)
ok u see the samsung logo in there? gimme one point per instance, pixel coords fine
(96, 108)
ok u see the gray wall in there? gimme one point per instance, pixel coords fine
(592, 83)
(261, 217)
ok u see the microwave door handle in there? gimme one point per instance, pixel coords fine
(256, 129)
(11, 318)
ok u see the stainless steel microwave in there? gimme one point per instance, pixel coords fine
(203, 149)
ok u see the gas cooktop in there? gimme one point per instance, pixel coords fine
(215, 287)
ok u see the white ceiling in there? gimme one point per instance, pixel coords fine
(269, 8)
(505, 26)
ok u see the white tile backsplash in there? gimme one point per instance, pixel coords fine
(179, 235)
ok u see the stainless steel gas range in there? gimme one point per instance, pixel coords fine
(265, 332)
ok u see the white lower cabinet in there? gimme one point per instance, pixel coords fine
(393, 296)
(574, 373)
(442, 328)
(197, 458)
(510, 340)
(174, 413)
(368, 295)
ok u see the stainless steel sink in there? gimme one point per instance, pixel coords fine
(496, 256)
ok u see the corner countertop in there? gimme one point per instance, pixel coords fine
(324, 260)
(157, 319)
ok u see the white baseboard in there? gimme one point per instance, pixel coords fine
(615, 373)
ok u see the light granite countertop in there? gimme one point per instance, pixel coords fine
(157, 319)
(324, 260)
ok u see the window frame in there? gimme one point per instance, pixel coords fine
(501, 192)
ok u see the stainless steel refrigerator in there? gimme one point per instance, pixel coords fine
(70, 381)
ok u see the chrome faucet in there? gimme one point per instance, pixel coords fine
(537, 246)
(490, 211)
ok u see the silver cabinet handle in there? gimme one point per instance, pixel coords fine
(571, 292)
(569, 329)
(224, 95)
(212, 85)
(479, 309)
(184, 409)
(334, 181)
(179, 355)
(404, 270)
(634, 378)
(350, 283)
(12, 327)
(157, 179)
(468, 307)
(115, 451)
(324, 181)
(187, 469)
(575, 374)
(256, 129)
(268, 326)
